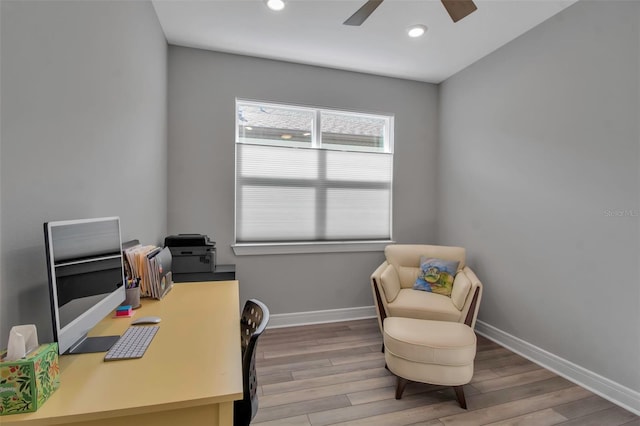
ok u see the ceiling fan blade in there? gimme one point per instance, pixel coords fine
(458, 9)
(363, 13)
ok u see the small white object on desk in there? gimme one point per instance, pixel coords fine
(22, 340)
(146, 320)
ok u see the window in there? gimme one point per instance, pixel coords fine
(311, 176)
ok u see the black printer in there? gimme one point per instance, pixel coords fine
(191, 253)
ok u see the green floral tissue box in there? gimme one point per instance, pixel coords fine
(27, 383)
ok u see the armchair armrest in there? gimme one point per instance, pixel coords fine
(388, 281)
(385, 285)
(379, 270)
(472, 303)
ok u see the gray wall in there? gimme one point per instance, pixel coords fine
(538, 155)
(83, 134)
(202, 90)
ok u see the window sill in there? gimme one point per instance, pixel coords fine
(313, 247)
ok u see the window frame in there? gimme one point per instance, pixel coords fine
(318, 246)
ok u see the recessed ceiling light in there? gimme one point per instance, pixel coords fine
(248, 128)
(286, 136)
(275, 4)
(306, 134)
(416, 30)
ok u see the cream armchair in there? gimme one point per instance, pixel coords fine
(393, 292)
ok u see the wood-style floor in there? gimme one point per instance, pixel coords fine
(334, 374)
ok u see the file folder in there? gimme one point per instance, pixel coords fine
(159, 269)
(152, 266)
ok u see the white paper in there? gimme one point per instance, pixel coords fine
(22, 340)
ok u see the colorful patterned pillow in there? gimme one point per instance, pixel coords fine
(436, 275)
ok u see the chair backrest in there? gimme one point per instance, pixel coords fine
(253, 321)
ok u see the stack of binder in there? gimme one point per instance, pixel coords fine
(151, 265)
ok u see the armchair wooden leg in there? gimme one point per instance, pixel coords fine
(459, 396)
(400, 387)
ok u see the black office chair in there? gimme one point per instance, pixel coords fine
(255, 317)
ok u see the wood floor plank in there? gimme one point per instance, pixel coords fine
(276, 346)
(376, 348)
(412, 388)
(513, 380)
(492, 353)
(379, 394)
(323, 391)
(614, 416)
(299, 385)
(293, 366)
(298, 337)
(583, 407)
(483, 341)
(312, 348)
(434, 422)
(380, 407)
(508, 370)
(350, 337)
(336, 369)
(308, 332)
(308, 357)
(501, 362)
(373, 328)
(348, 359)
(546, 417)
(304, 407)
(515, 408)
(290, 421)
(303, 329)
(363, 323)
(422, 413)
(279, 377)
(482, 375)
(488, 399)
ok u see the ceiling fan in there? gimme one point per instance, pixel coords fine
(457, 9)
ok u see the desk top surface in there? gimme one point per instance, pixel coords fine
(194, 359)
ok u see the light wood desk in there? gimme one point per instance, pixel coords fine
(190, 374)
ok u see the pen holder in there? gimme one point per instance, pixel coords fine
(132, 297)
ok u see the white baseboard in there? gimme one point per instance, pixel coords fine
(319, 317)
(606, 388)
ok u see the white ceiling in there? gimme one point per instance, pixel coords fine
(311, 32)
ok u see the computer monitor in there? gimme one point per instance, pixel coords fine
(86, 280)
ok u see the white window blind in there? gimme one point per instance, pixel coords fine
(312, 175)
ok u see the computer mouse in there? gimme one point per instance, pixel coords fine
(146, 320)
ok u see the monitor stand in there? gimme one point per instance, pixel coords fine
(93, 344)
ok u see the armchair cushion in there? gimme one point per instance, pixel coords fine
(408, 275)
(436, 275)
(422, 305)
(461, 289)
(390, 283)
